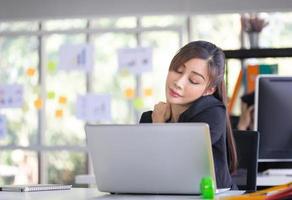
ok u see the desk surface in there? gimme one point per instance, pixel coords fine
(269, 180)
(91, 194)
(262, 180)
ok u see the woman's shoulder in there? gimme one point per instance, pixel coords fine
(207, 107)
(146, 117)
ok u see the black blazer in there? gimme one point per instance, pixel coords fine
(212, 111)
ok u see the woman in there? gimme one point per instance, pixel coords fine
(195, 92)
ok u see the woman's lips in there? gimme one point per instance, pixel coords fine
(173, 93)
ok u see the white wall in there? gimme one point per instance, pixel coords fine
(42, 9)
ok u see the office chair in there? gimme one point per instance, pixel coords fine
(247, 144)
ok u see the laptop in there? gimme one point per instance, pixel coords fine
(168, 158)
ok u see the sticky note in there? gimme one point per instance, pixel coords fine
(38, 103)
(62, 100)
(51, 95)
(52, 66)
(138, 103)
(59, 113)
(129, 93)
(148, 92)
(30, 71)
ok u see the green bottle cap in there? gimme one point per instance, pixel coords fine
(207, 188)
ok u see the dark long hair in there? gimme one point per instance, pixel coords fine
(216, 66)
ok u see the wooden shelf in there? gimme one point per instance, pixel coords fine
(258, 53)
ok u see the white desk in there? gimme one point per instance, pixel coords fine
(85, 179)
(91, 194)
(262, 180)
(269, 180)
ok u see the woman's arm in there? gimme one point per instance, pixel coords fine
(146, 117)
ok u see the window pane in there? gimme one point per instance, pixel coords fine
(163, 52)
(64, 166)
(65, 24)
(107, 78)
(163, 21)
(278, 32)
(18, 55)
(18, 167)
(18, 26)
(64, 128)
(121, 22)
(223, 30)
(233, 67)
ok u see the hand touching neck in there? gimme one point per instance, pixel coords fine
(176, 111)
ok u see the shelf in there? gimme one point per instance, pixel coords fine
(258, 53)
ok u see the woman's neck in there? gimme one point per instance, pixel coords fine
(176, 111)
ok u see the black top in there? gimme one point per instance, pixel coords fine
(212, 111)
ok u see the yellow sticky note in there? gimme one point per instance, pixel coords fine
(62, 100)
(38, 103)
(148, 92)
(51, 95)
(129, 93)
(30, 71)
(59, 113)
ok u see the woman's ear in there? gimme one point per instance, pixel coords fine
(209, 91)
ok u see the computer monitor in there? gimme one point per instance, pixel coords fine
(273, 117)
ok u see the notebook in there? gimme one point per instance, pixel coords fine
(169, 158)
(34, 188)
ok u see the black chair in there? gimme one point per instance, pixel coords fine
(247, 143)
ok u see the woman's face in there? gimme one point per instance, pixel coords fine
(188, 82)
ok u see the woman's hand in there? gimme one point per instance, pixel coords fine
(161, 112)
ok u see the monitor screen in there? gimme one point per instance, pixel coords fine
(273, 117)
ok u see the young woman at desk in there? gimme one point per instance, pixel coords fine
(195, 92)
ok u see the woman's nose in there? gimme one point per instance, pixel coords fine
(179, 83)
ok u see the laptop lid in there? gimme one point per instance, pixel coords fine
(151, 158)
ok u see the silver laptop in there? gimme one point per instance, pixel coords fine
(151, 158)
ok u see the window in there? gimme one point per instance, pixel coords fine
(44, 134)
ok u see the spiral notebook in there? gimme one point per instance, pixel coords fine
(35, 188)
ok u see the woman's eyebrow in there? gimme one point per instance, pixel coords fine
(197, 73)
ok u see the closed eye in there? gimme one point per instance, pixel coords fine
(194, 82)
(180, 69)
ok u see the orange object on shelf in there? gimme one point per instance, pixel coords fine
(252, 73)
